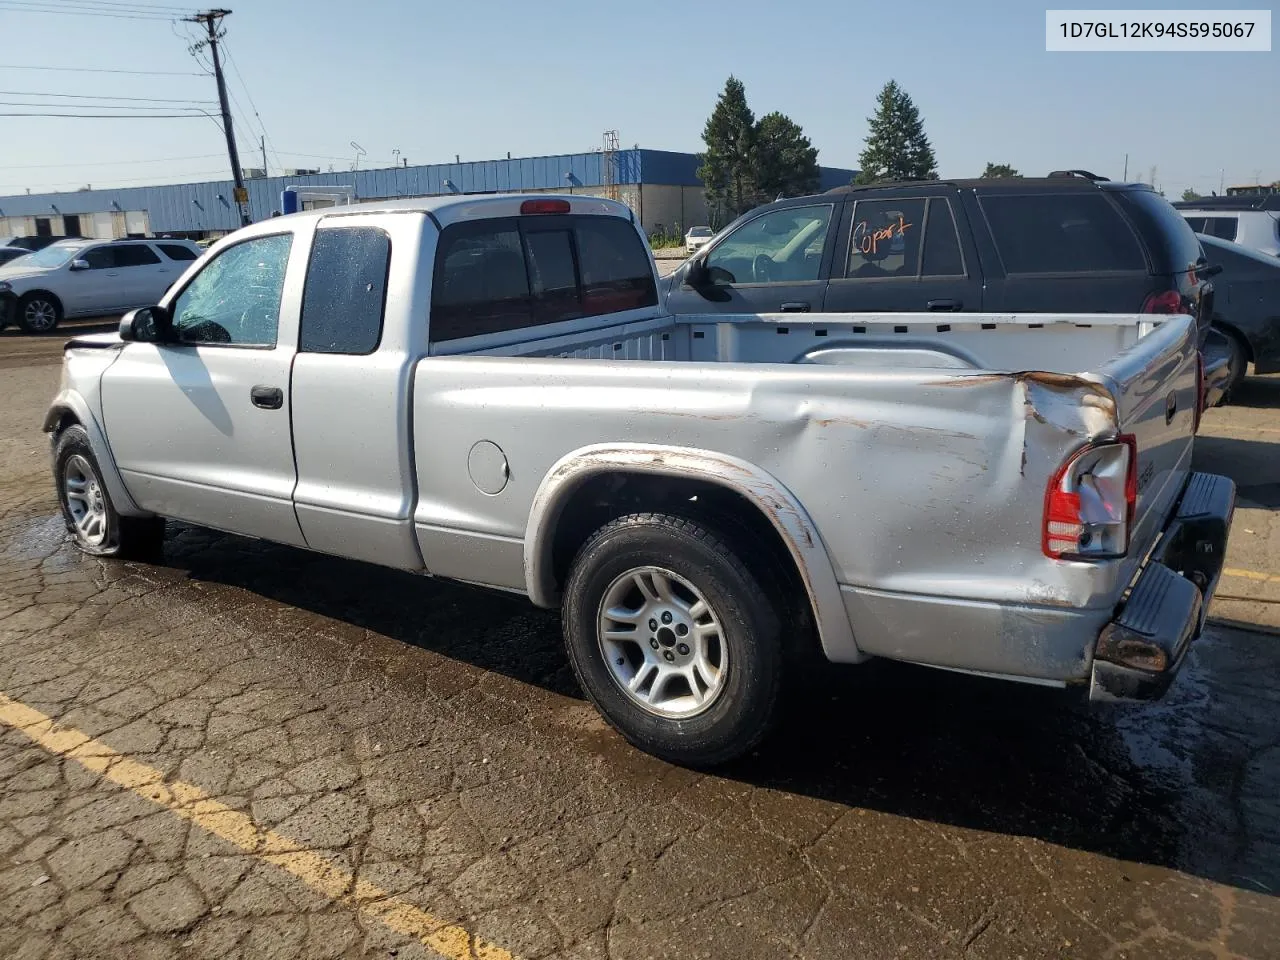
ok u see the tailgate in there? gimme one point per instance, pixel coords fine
(1156, 388)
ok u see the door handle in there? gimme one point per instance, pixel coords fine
(268, 398)
(945, 305)
(795, 306)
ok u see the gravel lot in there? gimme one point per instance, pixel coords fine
(291, 755)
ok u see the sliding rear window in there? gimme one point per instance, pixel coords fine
(505, 274)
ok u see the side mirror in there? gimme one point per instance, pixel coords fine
(697, 274)
(79, 264)
(143, 325)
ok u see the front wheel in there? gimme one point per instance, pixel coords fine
(673, 638)
(39, 313)
(91, 517)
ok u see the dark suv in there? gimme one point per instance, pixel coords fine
(1067, 242)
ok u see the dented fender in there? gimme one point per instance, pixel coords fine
(784, 512)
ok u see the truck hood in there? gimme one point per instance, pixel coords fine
(95, 341)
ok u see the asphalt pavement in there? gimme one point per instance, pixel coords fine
(247, 750)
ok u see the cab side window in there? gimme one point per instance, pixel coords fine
(346, 291)
(782, 246)
(235, 299)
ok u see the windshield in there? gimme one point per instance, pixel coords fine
(54, 255)
(700, 232)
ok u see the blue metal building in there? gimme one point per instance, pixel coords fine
(662, 186)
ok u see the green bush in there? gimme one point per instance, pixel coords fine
(661, 241)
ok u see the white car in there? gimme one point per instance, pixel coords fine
(1257, 228)
(88, 278)
(696, 237)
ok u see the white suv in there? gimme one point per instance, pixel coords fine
(1258, 228)
(87, 278)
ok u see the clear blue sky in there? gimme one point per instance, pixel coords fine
(480, 79)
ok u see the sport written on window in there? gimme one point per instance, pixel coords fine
(905, 238)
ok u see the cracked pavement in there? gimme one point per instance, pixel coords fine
(427, 740)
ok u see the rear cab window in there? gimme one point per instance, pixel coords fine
(1073, 231)
(514, 272)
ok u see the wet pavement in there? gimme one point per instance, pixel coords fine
(420, 750)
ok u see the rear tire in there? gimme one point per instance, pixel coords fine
(674, 638)
(39, 312)
(87, 510)
(1239, 365)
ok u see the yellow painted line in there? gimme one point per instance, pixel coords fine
(1251, 575)
(191, 803)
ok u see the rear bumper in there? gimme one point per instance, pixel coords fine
(1140, 651)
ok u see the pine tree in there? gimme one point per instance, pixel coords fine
(897, 148)
(786, 162)
(727, 167)
(997, 171)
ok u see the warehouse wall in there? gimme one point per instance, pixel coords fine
(671, 209)
(209, 208)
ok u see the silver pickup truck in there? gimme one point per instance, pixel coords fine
(486, 389)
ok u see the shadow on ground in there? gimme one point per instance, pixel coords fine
(1158, 785)
(1257, 392)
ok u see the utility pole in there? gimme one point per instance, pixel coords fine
(212, 20)
(1126, 167)
(262, 142)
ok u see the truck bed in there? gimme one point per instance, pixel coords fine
(924, 443)
(898, 341)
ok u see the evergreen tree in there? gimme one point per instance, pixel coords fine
(727, 167)
(1189, 194)
(996, 171)
(786, 162)
(897, 148)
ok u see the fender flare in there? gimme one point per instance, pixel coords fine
(758, 487)
(71, 402)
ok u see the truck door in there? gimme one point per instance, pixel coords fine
(775, 262)
(200, 423)
(352, 379)
(904, 254)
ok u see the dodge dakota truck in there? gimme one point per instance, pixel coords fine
(487, 389)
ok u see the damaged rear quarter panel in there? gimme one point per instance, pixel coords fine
(916, 482)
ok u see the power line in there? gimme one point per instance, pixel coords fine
(130, 5)
(111, 116)
(98, 96)
(112, 163)
(9, 5)
(245, 87)
(98, 106)
(136, 73)
(114, 182)
(81, 8)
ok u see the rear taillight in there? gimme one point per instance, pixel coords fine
(1201, 386)
(1089, 504)
(1170, 301)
